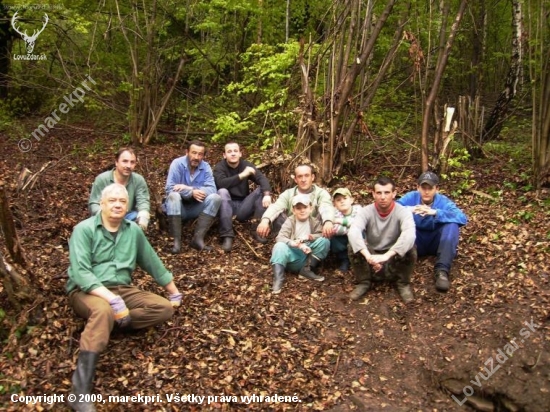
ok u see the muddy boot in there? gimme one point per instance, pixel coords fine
(83, 381)
(307, 270)
(363, 276)
(203, 223)
(442, 283)
(174, 224)
(403, 269)
(227, 244)
(278, 278)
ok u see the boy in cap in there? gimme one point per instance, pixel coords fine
(300, 245)
(345, 212)
(437, 220)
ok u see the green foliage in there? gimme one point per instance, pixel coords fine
(458, 171)
(267, 71)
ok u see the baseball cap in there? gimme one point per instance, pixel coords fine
(341, 191)
(303, 199)
(429, 178)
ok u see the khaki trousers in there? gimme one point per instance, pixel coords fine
(146, 309)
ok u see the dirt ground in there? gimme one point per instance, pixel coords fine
(486, 342)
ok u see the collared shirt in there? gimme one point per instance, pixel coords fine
(97, 258)
(138, 192)
(180, 174)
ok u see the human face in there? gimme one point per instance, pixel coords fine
(304, 178)
(115, 205)
(195, 154)
(343, 203)
(427, 193)
(232, 154)
(301, 212)
(384, 196)
(125, 164)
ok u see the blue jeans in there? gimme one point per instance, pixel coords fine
(190, 208)
(132, 216)
(441, 242)
(293, 259)
(339, 244)
(250, 206)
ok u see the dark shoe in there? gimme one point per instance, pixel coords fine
(278, 278)
(203, 223)
(307, 273)
(258, 238)
(344, 261)
(174, 224)
(83, 381)
(442, 283)
(227, 244)
(359, 291)
(405, 292)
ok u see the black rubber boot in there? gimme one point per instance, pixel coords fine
(83, 378)
(363, 276)
(174, 223)
(404, 268)
(278, 278)
(343, 260)
(227, 244)
(307, 270)
(442, 283)
(203, 223)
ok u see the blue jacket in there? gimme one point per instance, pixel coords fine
(447, 211)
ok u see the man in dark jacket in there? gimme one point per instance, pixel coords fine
(232, 176)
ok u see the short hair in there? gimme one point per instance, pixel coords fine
(111, 188)
(383, 181)
(231, 142)
(196, 143)
(122, 150)
(307, 165)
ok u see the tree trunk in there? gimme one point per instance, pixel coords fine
(439, 70)
(8, 230)
(496, 119)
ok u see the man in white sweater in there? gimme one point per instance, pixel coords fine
(382, 239)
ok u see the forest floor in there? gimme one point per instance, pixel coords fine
(488, 337)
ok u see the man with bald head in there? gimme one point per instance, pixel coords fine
(104, 250)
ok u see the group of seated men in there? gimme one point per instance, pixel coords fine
(380, 241)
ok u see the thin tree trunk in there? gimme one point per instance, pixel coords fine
(440, 69)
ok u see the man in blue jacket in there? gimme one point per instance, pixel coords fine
(437, 220)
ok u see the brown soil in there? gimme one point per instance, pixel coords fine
(232, 338)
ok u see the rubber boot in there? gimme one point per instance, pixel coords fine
(363, 276)
(227, 244)
(203, 223)
(307, 270)
(174, 223)
(83, 378)
(278, 278)
(404, 268)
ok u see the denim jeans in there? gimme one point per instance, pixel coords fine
(190, 208)
(441, 242)
(249, 207)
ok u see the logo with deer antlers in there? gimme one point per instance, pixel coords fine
(29, 39)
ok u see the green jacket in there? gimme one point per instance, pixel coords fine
(96, 259)
(138, 192)
(320, 200)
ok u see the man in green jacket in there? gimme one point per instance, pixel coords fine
(321, 202)
(139, 203)
(104, 250)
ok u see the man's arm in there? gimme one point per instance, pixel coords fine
(143, 198)
(80, 257)
(448, 211)
(355, 232)
(282, 204)
(208, 185)
(148, 260)
(176, 177)
(407, 235)
(100, 182)
(222, 179)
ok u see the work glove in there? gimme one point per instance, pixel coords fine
(175, 299)
(122, 314)
(143, 219)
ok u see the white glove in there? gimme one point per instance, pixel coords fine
(143, 219)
